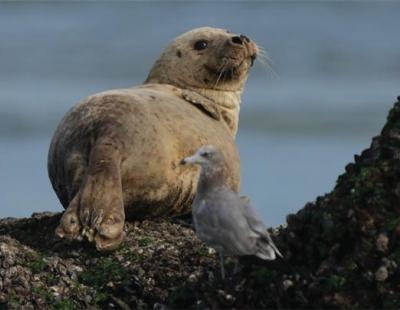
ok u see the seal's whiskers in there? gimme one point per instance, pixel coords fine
(221, 73)
(266, 61)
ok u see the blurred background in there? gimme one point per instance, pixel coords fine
(337, 73)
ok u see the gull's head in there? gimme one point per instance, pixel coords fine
(207, 156)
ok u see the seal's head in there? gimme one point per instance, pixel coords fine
(206, 58)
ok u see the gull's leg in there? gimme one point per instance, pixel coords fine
(236, 268)
(221, 262)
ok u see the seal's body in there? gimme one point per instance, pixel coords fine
(150, 129)
(116, 154)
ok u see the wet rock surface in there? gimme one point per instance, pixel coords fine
(341, 251)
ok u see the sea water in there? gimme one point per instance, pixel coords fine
(335, 76)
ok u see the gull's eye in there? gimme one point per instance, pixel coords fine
(205, 154)
(200, 45)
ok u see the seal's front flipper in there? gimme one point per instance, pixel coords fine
(101, 210)
(70, 226)
(202, 103)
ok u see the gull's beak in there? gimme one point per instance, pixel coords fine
(190, 160)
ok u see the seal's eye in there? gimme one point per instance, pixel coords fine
(200, 45)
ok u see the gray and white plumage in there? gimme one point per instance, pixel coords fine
(222, 219)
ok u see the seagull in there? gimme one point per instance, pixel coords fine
(222, 219)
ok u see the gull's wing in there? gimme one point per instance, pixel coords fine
(219, 222)
(228, 222)
(258, 227)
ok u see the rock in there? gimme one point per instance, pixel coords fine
(287, 284)
(381, 274)
(382, 243)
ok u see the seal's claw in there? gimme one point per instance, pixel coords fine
(68, 230)
(111, 227)
(70, 226)
(109, 231)
(60, 232)
(88, 233)
(85, 216)
(105, 244)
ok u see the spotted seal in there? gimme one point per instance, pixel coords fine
(116, 154)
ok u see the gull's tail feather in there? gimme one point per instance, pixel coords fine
(272, 244)
(267, 248)
(266, 252)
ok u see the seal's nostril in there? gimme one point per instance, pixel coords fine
(237, 40)
(253, 57)
(245, 38)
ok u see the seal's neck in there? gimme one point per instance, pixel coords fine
(228, 104)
